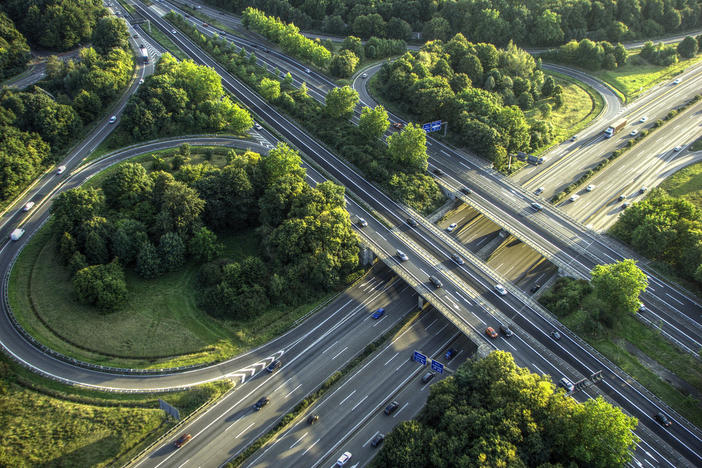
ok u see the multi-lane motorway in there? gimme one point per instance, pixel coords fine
(466, 299)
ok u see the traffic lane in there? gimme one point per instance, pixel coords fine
(364, 391)
(411, 403)
(521, 265)
(305, 365)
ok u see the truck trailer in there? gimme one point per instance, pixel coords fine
(615, 127)
(16, 234)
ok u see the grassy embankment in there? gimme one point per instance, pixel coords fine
(161, 324)
(638, 76)
(50, 424)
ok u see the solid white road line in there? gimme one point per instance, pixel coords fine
(299, 440)
(245, 429)
(349, 396)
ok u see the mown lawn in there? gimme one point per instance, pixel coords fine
(49, 424)
(686, 183)
(637, 76)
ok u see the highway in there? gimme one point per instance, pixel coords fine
(430, 251)
(572, 350)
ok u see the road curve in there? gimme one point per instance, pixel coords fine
(40, 361)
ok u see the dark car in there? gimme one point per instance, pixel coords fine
(466, 191)
(438, 172)
(436, 282)
(378, 313)
(621, 197)
(535, 288)
(391, 408)
(412, 222)
(377, 440)
(398, 125)
(427, 377)
(457, 258)
(182, 440)
(274, 366)
(663, 419)
(556, 335)
(261, 403)
(450, 354)
(506, 331)
(313, 418)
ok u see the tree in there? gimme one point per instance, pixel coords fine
(72, 207)
(110, 32)
(203, 246)
(101, 285)
(353, 44)
(127, 185)
(688, 47)
(270, 89)
(618, 286)
(436, 28)
(148, 262)
(397, 28)
(373, 122)
(340, 102)
(343, 64)
(14, 50)
(408, 149)
(171, 250)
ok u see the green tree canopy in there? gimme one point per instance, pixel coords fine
(340, 102)
(373, 122)
(408, 148)
(618, 286)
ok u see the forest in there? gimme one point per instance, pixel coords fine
(153, 222)
(526, 22)
(493, 413)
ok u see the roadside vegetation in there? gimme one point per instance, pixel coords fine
(14, 50)
(603, 313)
(46, 423)
(361, 145)
(147, 309)
(480, 90)
(493, 413)
(40, 123)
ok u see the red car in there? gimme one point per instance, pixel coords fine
(398, 125)
(491, 332)
(182, 440)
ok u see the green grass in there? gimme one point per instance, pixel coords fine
(637, 76)
(686, 183)
(50, 424)
(612, 343)
(581, 104)
(696, 145)
(166, 42)
(161, 324)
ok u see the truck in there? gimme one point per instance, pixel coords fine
(144, 55)
(614, 128)
(531, 159)
(16, 234)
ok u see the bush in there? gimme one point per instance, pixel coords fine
(101, 285)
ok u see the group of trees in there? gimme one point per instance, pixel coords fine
(665, 55)
(493, 413)
(358, 144)
(534, 22)
(287, 36)
(665, 229)
(38, 123)
(478, 89)
(155, 222)
(611, 294)
(590, 55)
(14, 50)
(55, 24)
(182, 97)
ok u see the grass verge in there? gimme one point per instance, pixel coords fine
(168, 44)
(638, 76)
(46, 423)
(161, 324)
(322, 390)
(696, 145)
(687, 182)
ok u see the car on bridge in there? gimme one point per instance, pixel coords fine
(378, 313)
(506, 330)
(663, 419)
(450, 354)
(566, 384)
(343, 459)
(362, 222)
(499, 289)
(412, 222)
(451, 227)
(402, 256)
(489, 331)
(391, 408)
(457, 258)
(574, 197)
(377, 440)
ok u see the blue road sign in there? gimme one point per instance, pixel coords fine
(436, 126)
(427, 127)
(437, 366)
(420, 358)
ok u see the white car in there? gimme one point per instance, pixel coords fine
(173, 31)
(677, 148)
(60, 169)
(499, 289)
(539, 191)
(308, 71)
(141, 81)
(402, 256)
(677, 80)
(365, 75)
(28, 206)
(574, 197)
(634, 132)
(113, 119)
(643, 119)
(343, 459)
(257, 126)
(590, 188)
(451, 227)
